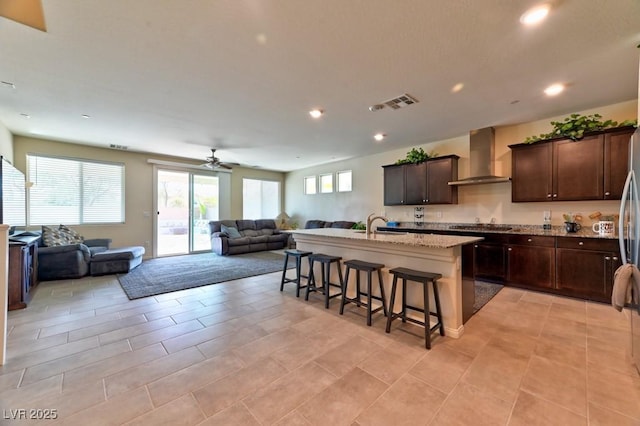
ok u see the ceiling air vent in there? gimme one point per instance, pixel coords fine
(401, 101)
(122, 147)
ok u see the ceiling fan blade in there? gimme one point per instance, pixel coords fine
(225, 166)
(27, 12)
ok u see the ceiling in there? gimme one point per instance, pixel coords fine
(179, 77)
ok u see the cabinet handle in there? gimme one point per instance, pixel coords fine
(607, 258)
(580, 243)
(615, 257)
(548, 195)
(607, 193)
(509, 249)
(475, 246)
(555, 195)
(529, 240)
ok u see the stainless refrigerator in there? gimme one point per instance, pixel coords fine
(629, 236)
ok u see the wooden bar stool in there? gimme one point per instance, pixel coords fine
(298, 255)
(326, 261)
(369, 268)
(425, 278)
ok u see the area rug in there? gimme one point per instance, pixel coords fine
(167, 274)
(484, 293)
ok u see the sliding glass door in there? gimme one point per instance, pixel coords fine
(186, 201)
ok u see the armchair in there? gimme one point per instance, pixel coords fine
(68, 261)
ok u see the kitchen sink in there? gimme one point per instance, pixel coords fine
(482, 227)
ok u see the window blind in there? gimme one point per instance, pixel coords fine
(74, 191)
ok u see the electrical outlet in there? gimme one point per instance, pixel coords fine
(546, 214)
(439, 215)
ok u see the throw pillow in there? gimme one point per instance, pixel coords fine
(52, 237)
(230, 231)
(72, 236)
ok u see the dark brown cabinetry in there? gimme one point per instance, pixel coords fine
(569, 266)
(616, 162)
(489, 261)
(586, 267)
(531, 174)
(593, 168)
(441, 171)
(531, 261)
(394, 185)
(23, 270)
(423, 183)
(578, 169)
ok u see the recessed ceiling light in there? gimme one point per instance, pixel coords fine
(316, 113)
(554, 89)
(86, 116)
(535, 15)
(458, 87)
(379, 136)
(25, 115)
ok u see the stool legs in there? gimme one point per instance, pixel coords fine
(284, 271)
(357, 300)
(382, 295)
(427, 320)
(325, 276)
(426, 279)
(391, 315)
(436, 296)
(298, 279)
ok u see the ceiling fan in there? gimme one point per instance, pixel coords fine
(214, 162)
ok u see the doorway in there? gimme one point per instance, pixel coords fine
(185, 203)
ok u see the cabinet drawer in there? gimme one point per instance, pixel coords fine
(532, 240)
(588, 244)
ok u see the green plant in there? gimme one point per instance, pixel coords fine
(416, 156)
(359, 225)
(576, 125)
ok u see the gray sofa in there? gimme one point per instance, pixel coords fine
(245, 236)
(315, 224)
(68, 261)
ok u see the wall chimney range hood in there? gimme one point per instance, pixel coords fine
(481, 159)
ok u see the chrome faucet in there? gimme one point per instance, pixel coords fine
(370, 220)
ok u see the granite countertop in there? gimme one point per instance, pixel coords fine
(407, 239)
(555, 231)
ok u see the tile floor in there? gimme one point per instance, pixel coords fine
(242, 353)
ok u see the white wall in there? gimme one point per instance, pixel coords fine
(6, 143)
(483, 201)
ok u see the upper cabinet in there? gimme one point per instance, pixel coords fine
(593, 168)
(423, 183)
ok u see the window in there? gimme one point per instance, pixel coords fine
(326, 183)
(310, 185)
(344, 181)
(260, 199)
(73, 191)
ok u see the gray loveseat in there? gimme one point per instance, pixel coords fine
(244, 236)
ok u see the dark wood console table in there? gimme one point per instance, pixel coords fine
(23, 269)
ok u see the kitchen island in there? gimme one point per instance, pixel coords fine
(424, 252)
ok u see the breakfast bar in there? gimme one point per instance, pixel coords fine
(425, 252)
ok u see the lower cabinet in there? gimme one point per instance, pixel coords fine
(23, 271)
(586, 267)
(489, 259)
(531, 261)
(569, 266)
